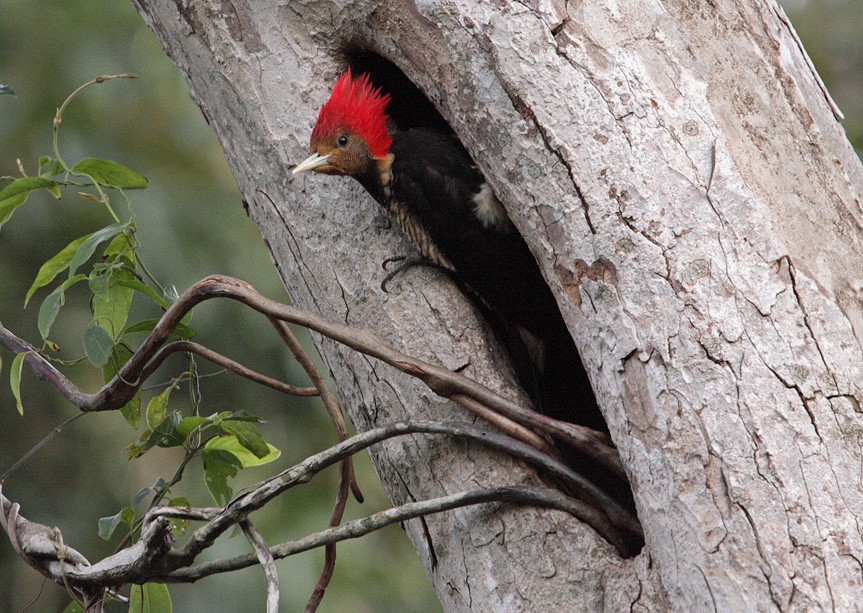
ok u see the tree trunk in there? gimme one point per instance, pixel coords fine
(679, 172)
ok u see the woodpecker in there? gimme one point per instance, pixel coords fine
(430, 185)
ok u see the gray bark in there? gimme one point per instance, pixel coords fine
(680, 174)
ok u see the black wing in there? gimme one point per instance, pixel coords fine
(437, 179)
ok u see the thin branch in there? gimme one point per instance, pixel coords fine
(191, 513)
(441, 381)
(330, 549)
(98, 80)
(57, 430)
(152, 558)
(227, 363)
(43, 369)
(616, 518)
(330, 400)
(510, 427)
(265, 558)
(517, 494)
(346, 474)
(35, 543)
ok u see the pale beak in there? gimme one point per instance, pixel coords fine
(312, 162)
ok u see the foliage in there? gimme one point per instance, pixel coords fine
(190, 223)
(226, 442)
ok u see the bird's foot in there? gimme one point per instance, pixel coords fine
(404, 262)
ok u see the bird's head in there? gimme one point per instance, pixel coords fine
(351, 132)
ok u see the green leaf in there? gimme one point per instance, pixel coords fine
(49, 310)
(54, 266)
(98, 345)
(179, 501)
(136, 450)
(110, 173)
(230, 444)
(190, 424)
(119, 245)
(131, 411)
(141, 495)
(219, 466)
(15, 194)
(159, 486)
(150, 598)
(119, 356)
(5, 90)
(73, 607)
(182, 331)
(88, 246)
(165, 433)
(145, 289)
(239, 416)
(98, 282)
(15, 379)
(107, 525)
(54, 168)
(248, 436)
(52, 303)
(157, 408)
(111, 308)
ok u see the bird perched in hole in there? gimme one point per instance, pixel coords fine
(430, 185)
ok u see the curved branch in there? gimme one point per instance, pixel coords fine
(516, 494)
(265, 558)
(43, 369)
(611, 522)
(330, 400)
(225, 362)
(152, 557)
(347, 479)
(441, 381)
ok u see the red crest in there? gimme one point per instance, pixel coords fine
(357, 107)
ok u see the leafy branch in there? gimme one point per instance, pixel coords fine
(226, 442)
(154, 560)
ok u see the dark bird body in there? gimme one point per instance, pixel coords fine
(443, 204)
(446, 208)
(441, 201)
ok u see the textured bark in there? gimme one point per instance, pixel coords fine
(679, 172)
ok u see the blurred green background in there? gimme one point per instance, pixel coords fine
(191, 224)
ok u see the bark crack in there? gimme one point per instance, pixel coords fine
(792, 272)
(763, 555)
(809, 550)
(343, 295)
(637, 598)
(294, 249)
(709, 588)
(529, 116)
(793, 386)
(426, 533)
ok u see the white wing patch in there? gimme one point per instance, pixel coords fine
(490, 211)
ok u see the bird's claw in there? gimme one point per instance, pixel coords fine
(391, 260)
(405, 262)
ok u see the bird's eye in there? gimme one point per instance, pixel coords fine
(342, 140)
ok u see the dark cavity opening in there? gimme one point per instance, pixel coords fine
(562, 389)
(409, 108)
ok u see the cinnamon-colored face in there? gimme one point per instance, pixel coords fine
(351, 131)
(339, 153)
